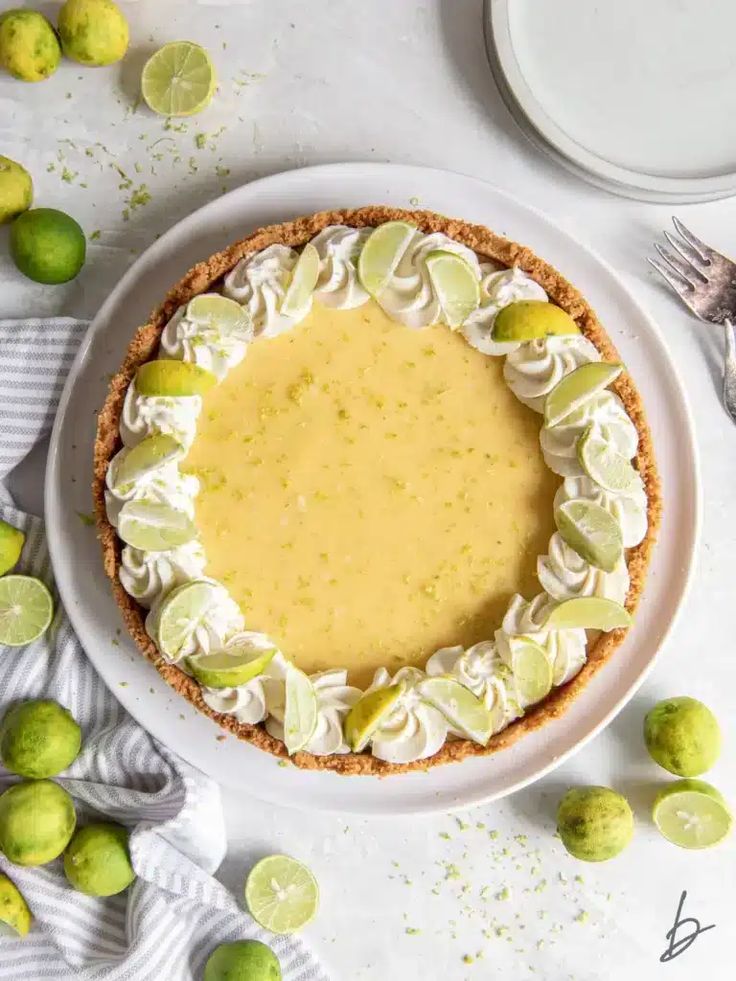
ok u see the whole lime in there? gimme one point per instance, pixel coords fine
(242, 960)
(39, 739)
(47, 245)
(594, 823)
(14, 911)
(29, 47)
(37, 819)
(97, 861)
(93, 32)
(16, 189)
(11, 545)
(683, 736)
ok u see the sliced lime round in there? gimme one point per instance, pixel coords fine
(14, 911)
(532, 670)
(588, 613)
(605, 465)
(11, 545)
(455, 284)
(462, 709)
(577, 387)
(153, 527)
(172, 379)
(368, 715)
(232, 667)
(692, 814)
(381, 254)
(146, 457)
(26, 610)
(527, 320)
(181, 612)
(281, 894)
(300, 710)
(179, 79)
(592, 531)
(303, 280)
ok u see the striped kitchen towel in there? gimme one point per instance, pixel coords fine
(165, 925)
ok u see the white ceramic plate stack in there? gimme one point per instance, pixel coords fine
(635, 97)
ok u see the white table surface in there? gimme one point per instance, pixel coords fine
(309, 81)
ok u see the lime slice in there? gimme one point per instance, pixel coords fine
(462, 709)
(179, 79)
(692, 814)
(181, 612)
(605, 465)
(173, 379)
(303, 280)
(153, 527)
(368, 715)
(281, 894)
(217, 311)
(532, 670)
(227, 669)
(455, 284)
(527, 320)
(592, 531)
(588, 613)
(300, 710)
(577, 387)
(149, 455)
(26, 609)
(382, 253)
(11, 545)
(14, 911)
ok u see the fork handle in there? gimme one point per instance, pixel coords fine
(729, 369)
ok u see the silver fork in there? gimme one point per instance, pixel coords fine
(705, 281)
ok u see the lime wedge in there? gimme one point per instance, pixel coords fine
(368, 715)
(381, 254)
(154, 527)
(532, 670)
(14, 910)
(605, 465)
(300, 710)
(227, 669)
(281, 894)
(173, 379)
(181, 612)
(577, 387)
(455, 284)
(692, 814)
(149, 455)
(588, 613)
(26, 609)
(592, 531)
(462, 709)
(303, 280)
(527, 320)
(178, 80)
(11, 545)
(217, 311)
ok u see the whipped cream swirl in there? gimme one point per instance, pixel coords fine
(565, 649)
(259, 283)
(335, 698)
(144, 415)
(218, 347)
(148, 576)
(564, 575)
(338, 285)
(165, 485)
(415, 729)
(607, 413)
(212, 629)
(630, 510)
(534, 368)
(481, 669)
(498, 288)
(249, 703)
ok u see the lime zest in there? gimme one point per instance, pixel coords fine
(303, 281)
(368, 715)
(382, 252)
(460, 706)
(577, 387)
(300, 710)
(281, 894)
(588, 613)
(26, 610)
(455, 284)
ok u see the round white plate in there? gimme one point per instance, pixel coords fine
(634, 97)
(75, 552)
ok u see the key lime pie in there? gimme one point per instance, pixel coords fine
(409, 525)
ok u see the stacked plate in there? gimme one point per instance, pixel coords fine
(637, 98)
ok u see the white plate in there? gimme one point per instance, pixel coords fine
(634, 97)
(75, 552)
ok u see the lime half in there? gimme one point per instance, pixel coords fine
(26, 609)
(300, 711)
(592, 532)
(14, 911)
(179, 79)
(149, 455)
(303, 280)
(455, 284)
(527, 320)
(462, 709)
(368, 715)
(281, 894)
(605, 465)
(154, 527)
(588, 613)
(577, 387)
(532, 670)
(227, 669)
(181, 613)
(173, 378)
(692, 814)
(382, 253)
(11, 545)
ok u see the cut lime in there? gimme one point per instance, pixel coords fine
(462, 709)
(588, 613)
(173, 379)
(592, 532)
(532, 670)
(179, 79)
(577, 387)
(692, 814)
(14, 911)
(527, 320)
(300, 710)
(455, 284)
(149, 455)
(381, 254)
(153, 527)
(303, 280)
(281, 894)
(368, 715)
(26, 609)
(217, 311)
(227, 669)
(181, 612)
(11, 545)
(605, 465)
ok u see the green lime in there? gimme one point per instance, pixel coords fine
(462, 709)
(592, 532)
(303, 280)
(173, 378)
(300, 711)
(16, 190)
(527, 320)
(93, 32)
(588, 613)
(97, 860)
(577, 387)
(29, 48)
(532, 670)
(604, 464)
(683, 736)
(235, 666)
(26, 610)
(11, 545)
(594, 823)
(179, 79)
(281, 894)
(146, 457)
(37, 820)
(455, 285)
(242, 960)
(180, 613)
(382, 253)
(14, 910)
(154, 527)
(39, 739)
(47, 245)
(692, 814)
(368, 715)
(218, 312)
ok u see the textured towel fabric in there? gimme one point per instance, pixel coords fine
(165, 925)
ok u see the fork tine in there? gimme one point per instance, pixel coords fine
(683, 269)
(688, 253)
(693, 241)
(682, 291)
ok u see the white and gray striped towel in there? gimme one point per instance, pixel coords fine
(164, 927)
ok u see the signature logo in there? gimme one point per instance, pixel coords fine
(679, 944)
